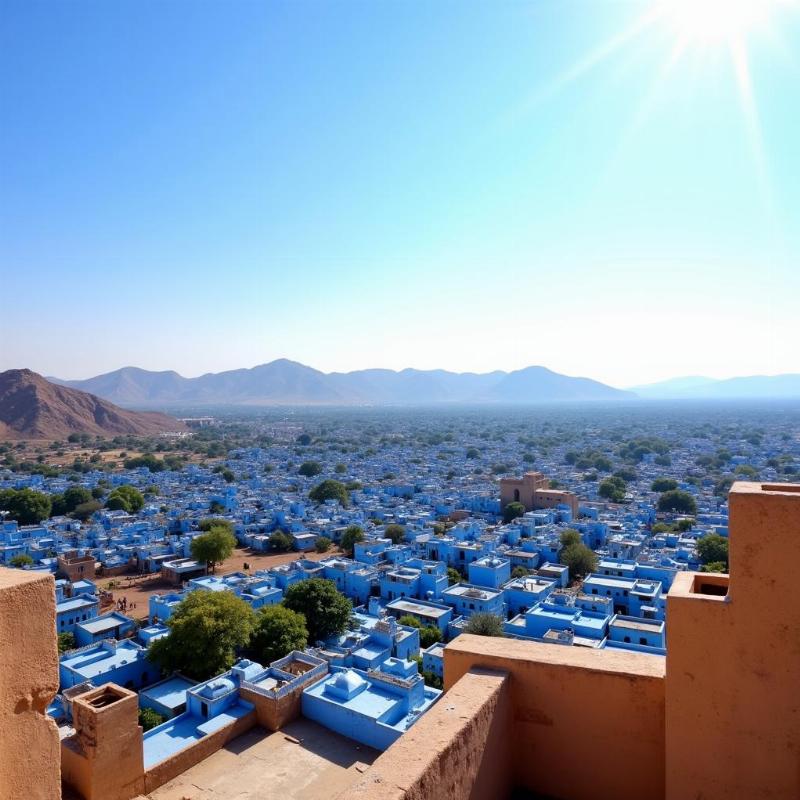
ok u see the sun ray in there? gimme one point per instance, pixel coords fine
(741, 67)
(586, 64)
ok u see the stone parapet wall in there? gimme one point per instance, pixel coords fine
(458, 750)
(29, 746)
(171, 767)
(585, 723)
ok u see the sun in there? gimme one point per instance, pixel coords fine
(715, 21)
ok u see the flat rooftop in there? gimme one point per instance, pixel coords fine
(411, 607)
(302, 761)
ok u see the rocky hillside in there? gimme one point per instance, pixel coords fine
(33, 408)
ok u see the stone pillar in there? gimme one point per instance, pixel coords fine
(29, 751)
(104, 759)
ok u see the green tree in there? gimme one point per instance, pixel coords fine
(713, 548)
(330, 490)
(626, 474)
(662, 527)
(512, 511)
(714, 566)
(340, 469)
(519, 572)
(484, 624)
(67, 502)
(278, 631)
(84, 511)
(612, 489)
(281, 542)
(351, 535)
(453, 576)
(395, 532)
(569, 537)
(208, 523)
(26, 506)
(21, 560)
(66, 641)
(327, 612)
(323, 544)
(304, 439)
(409, 621)
(207, 631)
(580, 559)
(125, 498)
(664, 485)
(677, 501)
(148, 718)
(429, 635)
(213, 547)
(310, 469)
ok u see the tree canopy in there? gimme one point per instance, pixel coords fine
(125, 498)
(713, 548)
(612, 489)
(351, 535)
(215, 522)
(395, 532)
(484, 624)
(330, 490)
(67, 502)
(207, 630)
(214, 546)
(570, 536)
(512, 511)
(664, 485)
(677, 501)
(326, 610)
(580, 559)
(26, 506)
(310, 469)
(281, 542)
(278, 630)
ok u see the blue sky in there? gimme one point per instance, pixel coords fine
(597, 186)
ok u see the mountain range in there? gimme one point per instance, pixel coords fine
(695, 387)
(32, 407)
(285, 382)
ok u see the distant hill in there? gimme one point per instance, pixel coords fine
(32, 407)
(285, 382)
(539, 382)
(754, 387)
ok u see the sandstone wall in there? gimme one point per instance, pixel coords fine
(459, 750)
(29, 746)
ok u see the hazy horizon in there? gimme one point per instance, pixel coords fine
(359, 369)
(607, 192)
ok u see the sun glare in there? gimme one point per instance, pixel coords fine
(715, 21)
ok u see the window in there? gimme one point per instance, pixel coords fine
(642, 640)
(594, 591)
(627, 639)
(204, 709)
